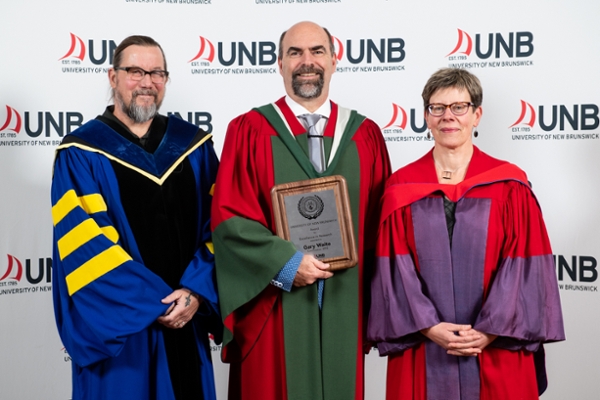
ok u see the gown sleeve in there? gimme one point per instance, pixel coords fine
(523, 305)
(248, 253)
(399, 309)
(102, 293)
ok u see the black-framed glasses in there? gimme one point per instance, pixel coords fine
(458, 109)
(137, 74)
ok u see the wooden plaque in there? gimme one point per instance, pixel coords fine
(315, 215)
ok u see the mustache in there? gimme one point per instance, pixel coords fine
(308, 69)
(145, 92)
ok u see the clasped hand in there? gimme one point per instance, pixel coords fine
(458, 340)
(184, 305)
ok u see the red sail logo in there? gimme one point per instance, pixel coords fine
(205, 47)
(399, 118)
(14, 269)
(77, 46)
(464, 42)
(527, 112)
(13, 120)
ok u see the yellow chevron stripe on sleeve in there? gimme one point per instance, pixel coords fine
(93, 269)
(111, 233)
(91, 203)
(64, 206)
(78, 236)
(212, 190)
(210, 247)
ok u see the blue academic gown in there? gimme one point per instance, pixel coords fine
(106, 300)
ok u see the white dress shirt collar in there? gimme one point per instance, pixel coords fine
(297, 109)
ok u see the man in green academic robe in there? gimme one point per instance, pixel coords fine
(294, 329)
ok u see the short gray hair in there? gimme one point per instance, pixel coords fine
(453, 78)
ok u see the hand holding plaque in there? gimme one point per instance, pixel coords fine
(315, 215)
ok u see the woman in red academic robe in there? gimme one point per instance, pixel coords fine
(464, 293)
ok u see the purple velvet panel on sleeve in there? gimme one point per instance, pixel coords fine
(398, 305)
(524, 303)
(399, 345)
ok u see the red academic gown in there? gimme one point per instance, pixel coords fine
(497, 276)
(279, 344)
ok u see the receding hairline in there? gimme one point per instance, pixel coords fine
(327, 34)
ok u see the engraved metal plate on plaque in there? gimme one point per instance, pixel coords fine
(315, 215)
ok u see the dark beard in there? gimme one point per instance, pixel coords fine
(310, 89)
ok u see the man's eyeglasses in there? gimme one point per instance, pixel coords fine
(137, 74)
(458, 109)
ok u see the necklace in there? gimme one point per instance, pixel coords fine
(447, 174)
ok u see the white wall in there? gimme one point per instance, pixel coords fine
(556, 41)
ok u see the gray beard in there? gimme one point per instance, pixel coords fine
(137, 113)
(308, 90)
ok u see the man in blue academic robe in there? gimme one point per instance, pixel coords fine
(133, 272)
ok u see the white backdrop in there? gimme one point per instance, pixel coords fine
(537, 61)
